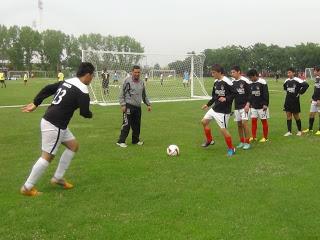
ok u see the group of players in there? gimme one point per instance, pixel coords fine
(251, 97)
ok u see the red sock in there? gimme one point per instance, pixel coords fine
(265, 128)
(228, 142)
(247, 140)
(242, 140)
(207, 132)
(254, 127)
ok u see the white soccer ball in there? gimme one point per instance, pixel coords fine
(173, 150)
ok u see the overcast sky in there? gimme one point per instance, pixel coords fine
(176, 26)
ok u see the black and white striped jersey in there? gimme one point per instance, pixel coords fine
(316, 91)
(68, 96)
(259, 94)
(222, 88)
(242, 86)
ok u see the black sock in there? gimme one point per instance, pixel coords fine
(311, 120)
(289, 125)
(298, 122)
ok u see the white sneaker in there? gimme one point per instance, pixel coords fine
(123, 145)
(287, 134)
(299, 133)
(140, 143)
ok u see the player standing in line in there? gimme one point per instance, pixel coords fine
(259, 102)
(161, 79)
(105, 81)
(60, 76)
(68, 96)
(242, 106)
(2, 80)
(315, 102)
(132, 93)
(223, 93)
(294, 87)
(185, 79)
(25, 79)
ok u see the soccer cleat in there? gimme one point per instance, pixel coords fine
(231, 151)
(317, 133)
(246, 146)
(140, 143)
(240, 145)
(252, 139)
(287, 134)
(207, 144)
(31, 193)
(123, 145)
(307, 131)
(299, 133)
(263, 140)
(61, 182)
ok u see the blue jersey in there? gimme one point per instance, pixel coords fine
(186, 76)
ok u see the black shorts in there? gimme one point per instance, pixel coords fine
(2, 81)
(105, 83)
(292, 106)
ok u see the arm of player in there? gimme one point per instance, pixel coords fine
(232, 93)
(303, 88)
(84, 103)
(265, 95)
(145, 98)
(122, 94)
(213, 99)
(47, 91)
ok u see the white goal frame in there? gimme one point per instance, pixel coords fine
(309, 72)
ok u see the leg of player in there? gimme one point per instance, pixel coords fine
(37, 170)
(72, 147)
(298, 122)
(254, 123)
(228, 139)
(241, 134)
(125, 128)
(207, 131)
(136, 125)
(265, 130)
(289, 124)
(311, 121)
(245, 126)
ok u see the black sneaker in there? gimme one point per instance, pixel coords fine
(207, 144)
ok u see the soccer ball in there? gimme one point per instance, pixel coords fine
(173, 150)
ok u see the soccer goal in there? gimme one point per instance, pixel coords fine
(308, 73)
(14, 75)
(164, 75)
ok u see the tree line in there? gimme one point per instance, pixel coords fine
(23, 48)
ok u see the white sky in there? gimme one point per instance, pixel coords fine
(176, 26)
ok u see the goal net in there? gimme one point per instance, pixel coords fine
(309, 74)
(15, 75)
(163, 75)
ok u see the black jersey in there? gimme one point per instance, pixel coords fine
(68, 96)
(294, 88)
(259, 94)
(242, 86)
(222, 88)
(316, 91)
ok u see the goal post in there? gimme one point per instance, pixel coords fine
(309, 74)
(163, 75)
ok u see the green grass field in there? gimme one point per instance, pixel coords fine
(268, 192)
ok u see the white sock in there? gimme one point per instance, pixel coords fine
(37, 170)
(64, 163)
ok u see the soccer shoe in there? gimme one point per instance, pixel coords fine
(140, 143)
(123, 145)
(263, 140)
(299, 133)
(287, 134)
(246, 146)
(31, 193)
(231, 151)
(207, 144)
(252, 139)
(307, 131)
(240, 145)
(317, 133)
(61, 182)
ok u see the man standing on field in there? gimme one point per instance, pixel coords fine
(132, 93)
(241, 105)
(68, 96)
(223, 93)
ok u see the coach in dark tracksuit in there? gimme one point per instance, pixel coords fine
(132, 93)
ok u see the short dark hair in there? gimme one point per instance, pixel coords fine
(135, 67)
(84, 68)
(316, 68)
(252, 73)
(217, 68)
(236, 68)
(291, 69)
